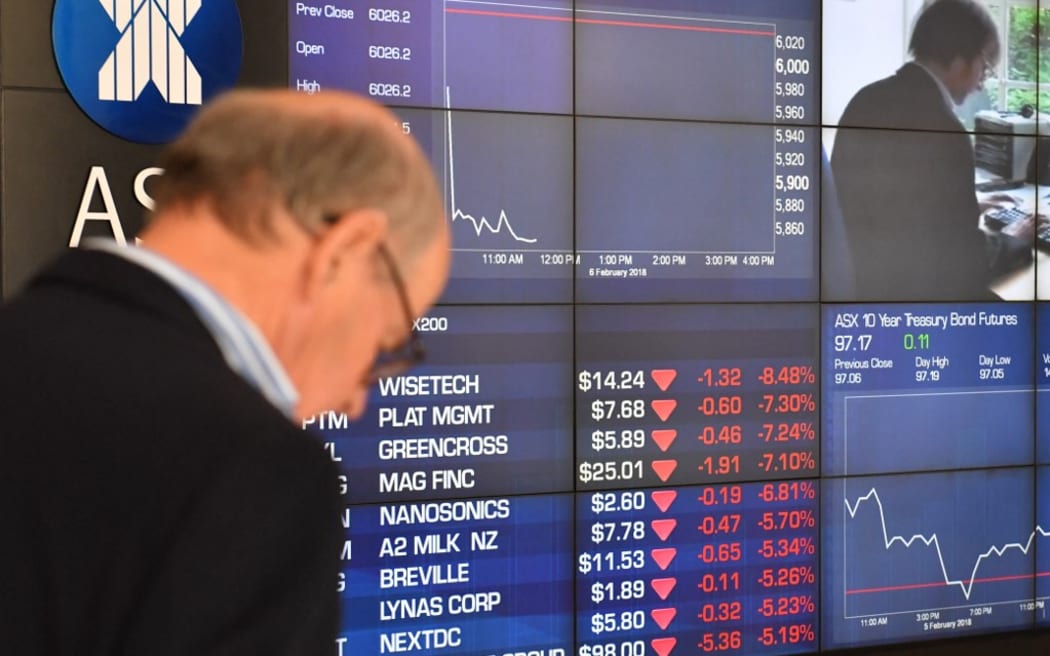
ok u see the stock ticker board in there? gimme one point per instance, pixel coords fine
(637, 430)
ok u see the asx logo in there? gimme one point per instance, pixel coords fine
(150, 50)
(140, 68)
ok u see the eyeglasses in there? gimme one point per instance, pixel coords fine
(393, 363)
(988, 71)
(410, 352)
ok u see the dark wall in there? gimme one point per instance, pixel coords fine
(49, 148)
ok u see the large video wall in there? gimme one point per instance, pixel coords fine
(728, 363)
(691, 392)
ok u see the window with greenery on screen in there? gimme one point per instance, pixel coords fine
(1025, 60)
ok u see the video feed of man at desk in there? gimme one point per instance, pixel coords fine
(937, 150)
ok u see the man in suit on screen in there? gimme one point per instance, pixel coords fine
(157, 493)
(905, 177)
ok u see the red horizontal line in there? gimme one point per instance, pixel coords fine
(614, 23)
(687, 28)
(891, 588)
(504, 14)
(941, 584)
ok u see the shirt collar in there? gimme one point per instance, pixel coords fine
(948, 101)
(243, 347)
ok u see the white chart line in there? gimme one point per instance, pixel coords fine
(966, 587)
(482, 224)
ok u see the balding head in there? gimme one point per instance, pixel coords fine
(317, 219)
(316, 157)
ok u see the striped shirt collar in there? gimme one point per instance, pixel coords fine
(243, 347)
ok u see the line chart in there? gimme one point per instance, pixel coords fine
(932, 540)
(482, 224)
(918, 556)
(506, 181)
(653, 215)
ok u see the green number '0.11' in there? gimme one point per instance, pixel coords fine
(913, 342)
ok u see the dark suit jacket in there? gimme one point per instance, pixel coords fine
(907, 197)
(151, 502)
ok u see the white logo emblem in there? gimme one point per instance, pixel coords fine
(149, 50)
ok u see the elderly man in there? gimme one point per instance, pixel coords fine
(156, 494)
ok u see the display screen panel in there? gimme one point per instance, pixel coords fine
(695, 394)
(507, 181)
(913, 225)
(629, 364)
(692, 570)
(490, 412)
(525, 225)
(668, 59)
(1042, 235)
(1042, 377)
(912, 387)
(676, 211)
(871, 77)
(1042, 549)
(911, 146)
(466, 576)
(446, 54)
(926, 556)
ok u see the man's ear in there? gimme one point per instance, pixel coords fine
(349, 241)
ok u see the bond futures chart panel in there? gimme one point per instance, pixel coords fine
(919, 556)
(911, 387)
